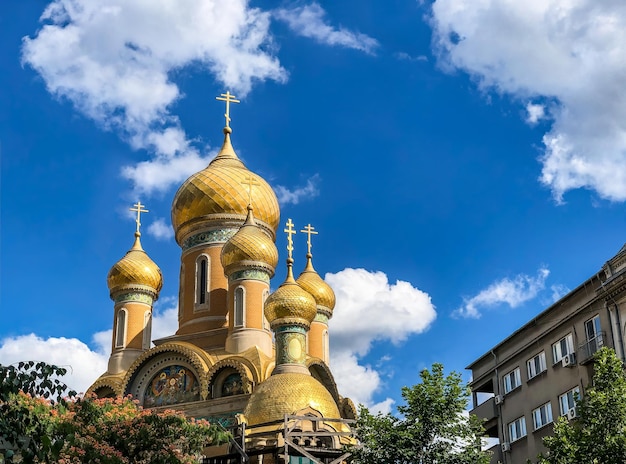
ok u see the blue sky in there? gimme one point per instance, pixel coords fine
(464, 162)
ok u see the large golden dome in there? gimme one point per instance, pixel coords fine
(291, 302)
(219, 190)
(289, 393)
(248, 246)
(135, 269)
(311, 281)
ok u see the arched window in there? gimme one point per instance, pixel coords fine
(240, 304)
(147, 330)
(326, 346)
(120, 329)
(202, 280)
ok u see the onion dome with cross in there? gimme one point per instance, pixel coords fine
(135, 271)
(217, 192)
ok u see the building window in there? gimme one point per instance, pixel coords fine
(568, 399)
(536, 365)
(542, 415)
(593, 333)
(512, 380)
(202, 280)
(562, 348)
(517, 429)
(147, 330)
(120, 329)
(240, 303)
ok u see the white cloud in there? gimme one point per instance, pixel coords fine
(535, 113)
(403, 56)
(114, 62)
(370, 309)
(570, 53)
(165, 320)
(558, 291)
(309, 21)
(309, 190)
(513, 292)
(160, 230)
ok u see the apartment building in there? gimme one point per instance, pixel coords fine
(533, 376)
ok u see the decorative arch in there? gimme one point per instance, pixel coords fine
(182, 354)
(103, 385)
(320, 371)
(220, 373)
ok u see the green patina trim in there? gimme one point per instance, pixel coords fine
(290, 328)
(212, 236)
(134, 296)
(321, 317)
(250, 274)
(291, 346)
(225, 420)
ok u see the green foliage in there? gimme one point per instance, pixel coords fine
(599, 433)
(432, 428)
(37, 429)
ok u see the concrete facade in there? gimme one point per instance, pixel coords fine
(523, 384)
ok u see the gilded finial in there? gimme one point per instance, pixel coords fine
(250, 182)
(228, 98)
(138, 208)
(290, 231)
(309, 230)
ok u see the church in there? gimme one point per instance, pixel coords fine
(254, 361)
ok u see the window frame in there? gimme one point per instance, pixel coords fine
(575, 395)
(521, 421)
(569, 339)
(147, 330)
(547, 412)
(239, 307)
(202, 285)
(516, 375)
(121, 328)
(542, 364)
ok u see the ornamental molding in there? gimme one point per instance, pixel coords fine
(200, 363)
(137, 297)
(222, 220)
(321, 317)
(114, 383)
(249, 270)
(209, 237)
(290, 321)
(241, 365)
(121, 291)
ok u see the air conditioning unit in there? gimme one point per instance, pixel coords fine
(499, 399)
(506, 447)
(571, 413)
(569, 360)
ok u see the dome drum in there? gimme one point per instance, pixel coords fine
(211, 224)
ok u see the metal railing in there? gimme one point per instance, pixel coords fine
(591, 346)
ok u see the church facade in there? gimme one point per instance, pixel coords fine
(242, 356)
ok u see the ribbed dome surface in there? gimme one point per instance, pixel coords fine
(249, 244)
(220, 189)
(290, 301)
(289, 393)
(311, 281)
(135, 268)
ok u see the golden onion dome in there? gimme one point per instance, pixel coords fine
(248, 246)
(219, 190)
(311, 281)
(290, 302)
(289, 393)
(135, 269)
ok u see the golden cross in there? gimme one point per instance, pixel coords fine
(309, 230)
(290, 231)
(250, 181)
(228, 98)
(139, 208)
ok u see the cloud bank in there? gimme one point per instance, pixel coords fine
(370, 309)
(567, 57)
(512, 292)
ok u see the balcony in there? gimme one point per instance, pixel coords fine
(590, 347)
(486, 410)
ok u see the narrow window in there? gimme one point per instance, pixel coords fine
(202, 276)
(562, 348)
(512, 380)
(120, 329)
(147, 330)
(517, 429)
(593, 333)
(326, 346)
(239, 306)
(542, 415)
(568, 399)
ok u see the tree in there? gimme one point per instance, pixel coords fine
(599, 433)
(39, 426)
(432, 429)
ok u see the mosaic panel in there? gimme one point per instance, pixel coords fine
(212, 236)
(172, 385)
(250, 274)
(134, 296)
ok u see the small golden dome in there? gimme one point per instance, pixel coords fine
(289, 393)
(218, 189)
(249, 244)
(311, 281)
(290, 301)
(135, 268)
